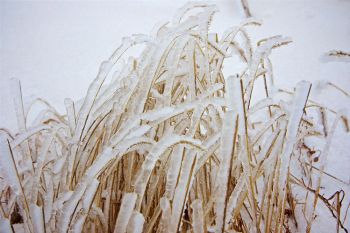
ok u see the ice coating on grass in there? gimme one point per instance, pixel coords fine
(126, 211)
(181, 191)
(296, 113)
(7, 166)
(198, 218)
(228, 139)
(173, 171)
(166, 141)
(37, 218)
(153, 156)
(336, 56)
(136, 223)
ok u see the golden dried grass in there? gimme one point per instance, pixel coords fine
(172, 145)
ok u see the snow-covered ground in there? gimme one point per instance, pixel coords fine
(55, 48)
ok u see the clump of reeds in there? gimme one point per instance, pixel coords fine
(170, 144)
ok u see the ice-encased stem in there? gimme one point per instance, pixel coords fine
(198, 217)
(136, 223)
(227, 148)
(301, 95)
(125, 212)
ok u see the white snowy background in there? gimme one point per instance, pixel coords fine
(55, 48)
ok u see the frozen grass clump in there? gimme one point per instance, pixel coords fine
(168, 143)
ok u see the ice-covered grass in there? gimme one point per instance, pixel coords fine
(165, 142)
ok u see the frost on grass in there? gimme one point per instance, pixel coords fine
(336, 55)
(166, 142)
